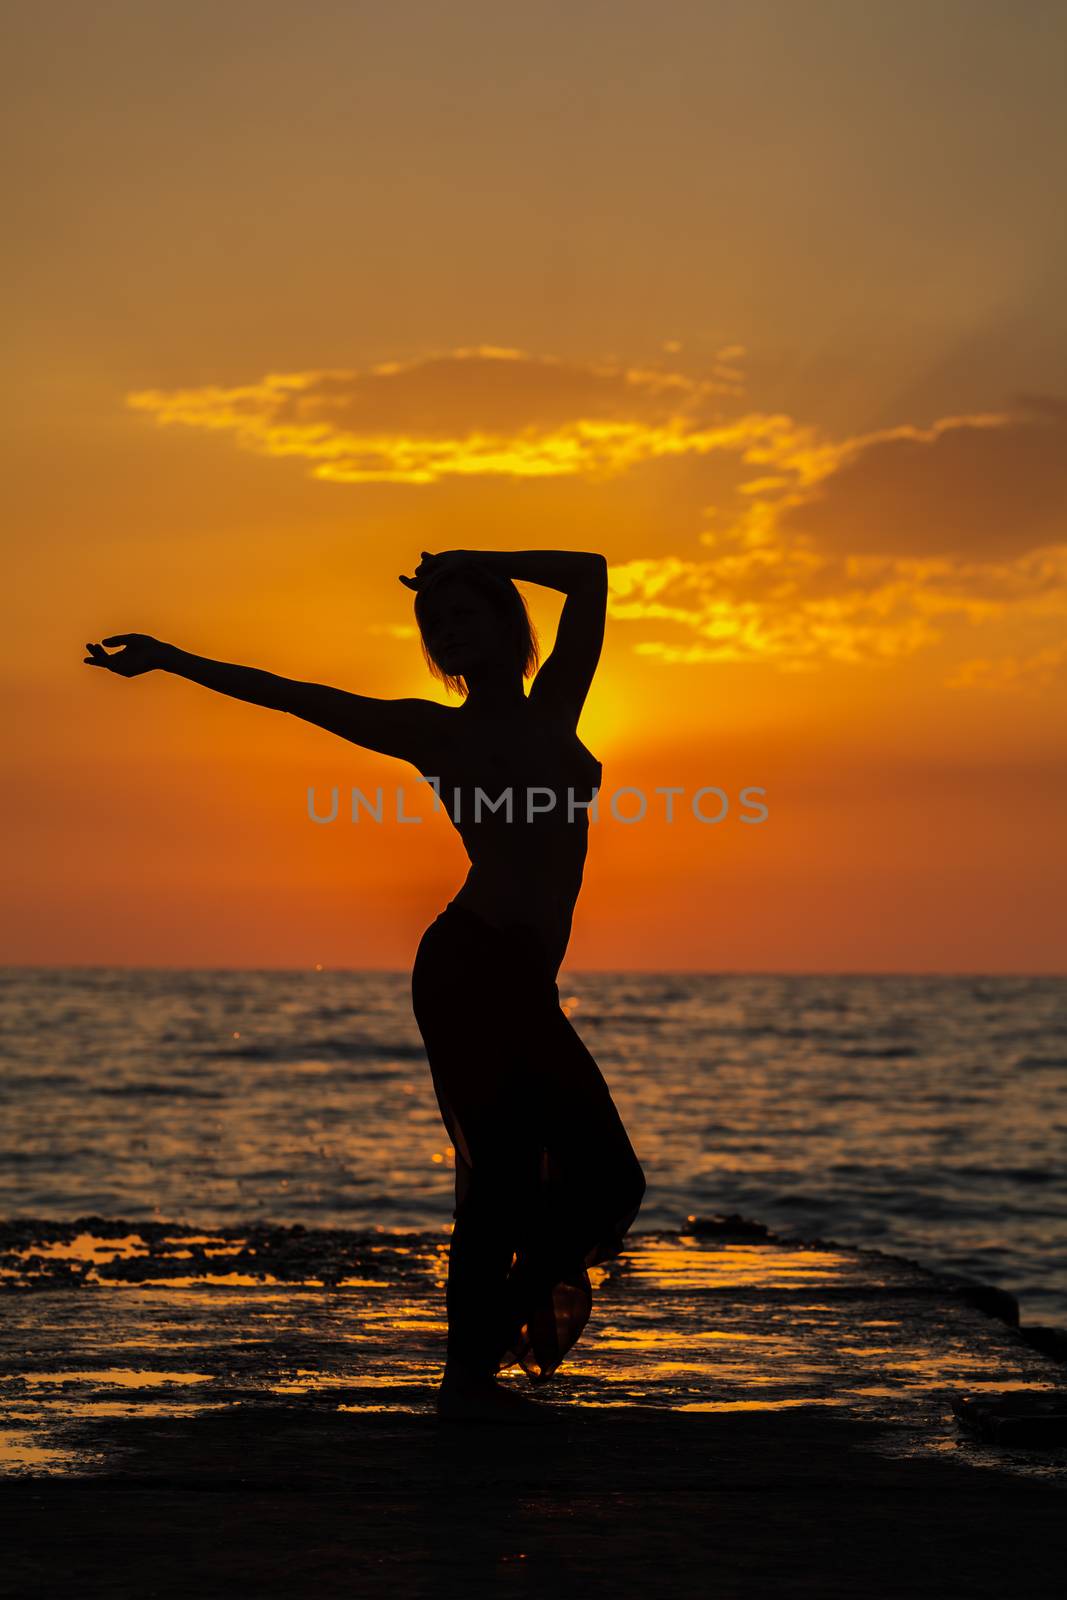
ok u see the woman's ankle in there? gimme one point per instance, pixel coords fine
(461, 1376)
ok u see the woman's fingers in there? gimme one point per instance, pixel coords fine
(98, 656)
(431, 562)
(422, 571)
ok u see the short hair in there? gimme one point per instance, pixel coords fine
(506, 600)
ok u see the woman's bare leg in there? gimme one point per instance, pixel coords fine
(479, 1260)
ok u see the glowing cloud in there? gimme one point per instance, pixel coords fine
(481, 412)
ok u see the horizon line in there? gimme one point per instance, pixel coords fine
(405, 971)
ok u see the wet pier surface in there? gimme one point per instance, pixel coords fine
(250, 1412)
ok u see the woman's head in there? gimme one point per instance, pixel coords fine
(469, 617)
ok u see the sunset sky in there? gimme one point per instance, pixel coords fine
(763, 300)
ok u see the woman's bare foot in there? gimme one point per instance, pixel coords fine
(463, 1399)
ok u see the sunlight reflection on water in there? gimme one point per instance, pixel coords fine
(679, 1323)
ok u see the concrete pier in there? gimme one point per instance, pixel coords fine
(250, 1412)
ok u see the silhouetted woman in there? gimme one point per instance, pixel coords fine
(547, 1182)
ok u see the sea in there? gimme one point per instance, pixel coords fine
(923, 1116)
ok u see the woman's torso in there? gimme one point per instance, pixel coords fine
(526, 870)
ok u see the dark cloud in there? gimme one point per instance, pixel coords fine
(972, 488)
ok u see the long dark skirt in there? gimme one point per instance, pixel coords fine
(547, 1182)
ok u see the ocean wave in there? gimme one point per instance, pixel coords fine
(154, 1090)
(885, 1052)
(286, 1053)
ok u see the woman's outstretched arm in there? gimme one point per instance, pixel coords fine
(402, 728)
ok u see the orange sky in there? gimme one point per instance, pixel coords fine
(764, 302)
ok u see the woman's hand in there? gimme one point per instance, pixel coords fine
(431, 564)
(139, 653)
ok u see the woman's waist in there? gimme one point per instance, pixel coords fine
(537, 866)
(534, 930)
(535, 891)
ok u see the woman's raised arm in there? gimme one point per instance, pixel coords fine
(569, 570)
(563, 681)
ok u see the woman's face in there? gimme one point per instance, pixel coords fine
(461, 627)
